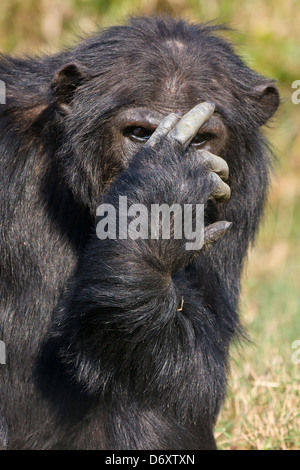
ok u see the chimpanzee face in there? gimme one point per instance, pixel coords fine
(133, 127)
(113, 111)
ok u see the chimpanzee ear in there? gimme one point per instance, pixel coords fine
(65, 82)
(266, 101)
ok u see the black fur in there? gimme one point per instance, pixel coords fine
(98, 354)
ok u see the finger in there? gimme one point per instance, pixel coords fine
(189, 124)
(163, 128)
(214, 163)
(215, 231)
(221, 190)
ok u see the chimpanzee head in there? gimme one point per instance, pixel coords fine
(112, 91)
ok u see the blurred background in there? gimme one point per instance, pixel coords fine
(262, 410)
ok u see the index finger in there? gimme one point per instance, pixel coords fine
(163, 128)
(188, 126)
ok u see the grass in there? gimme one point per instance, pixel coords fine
(262, 408)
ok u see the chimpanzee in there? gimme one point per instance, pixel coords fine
(119, 342)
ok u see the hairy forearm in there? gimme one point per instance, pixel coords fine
(130, 297)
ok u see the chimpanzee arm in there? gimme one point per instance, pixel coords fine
(125, 293)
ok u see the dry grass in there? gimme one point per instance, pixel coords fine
(262, 410)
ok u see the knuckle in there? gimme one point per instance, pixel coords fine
(214, 163)
(220, 190)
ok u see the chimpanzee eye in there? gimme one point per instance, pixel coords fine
(138, 133)
(201, 139)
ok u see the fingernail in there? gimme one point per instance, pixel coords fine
(178, 113)
(228, 225)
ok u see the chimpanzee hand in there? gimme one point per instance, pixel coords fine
(149, 180)
(180, 133)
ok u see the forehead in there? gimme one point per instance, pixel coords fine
(162, 73)
(173, 74)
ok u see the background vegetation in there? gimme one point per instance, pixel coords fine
(263, 407)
